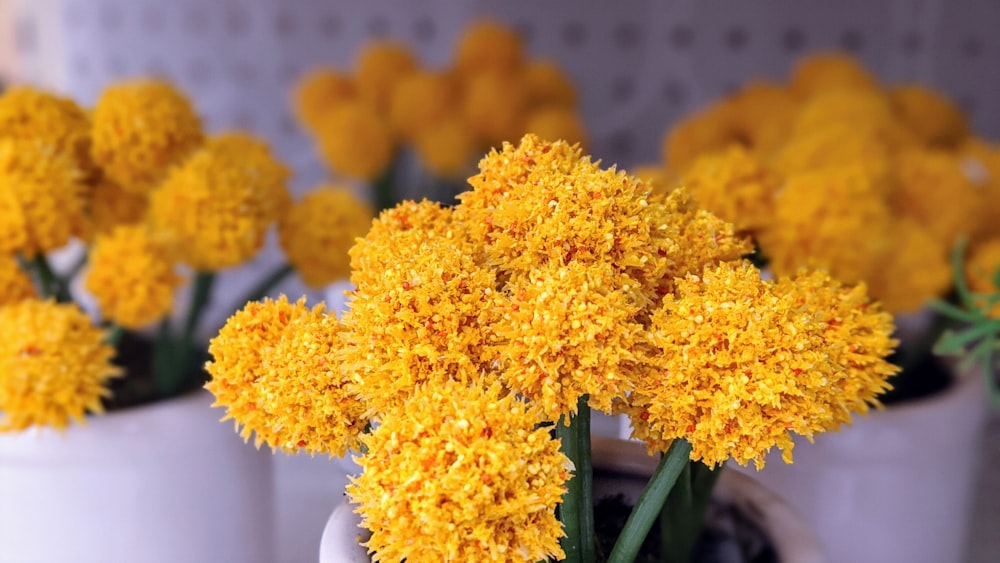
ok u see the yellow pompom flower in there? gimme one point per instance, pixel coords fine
(317, 93)
(270, 175)
(15, 285)
(488, 45)
(548, 85)
(379, 67)
(132, 276)
(930, 116)
(861, 145)
(913, 270)
(273, 369)
(110, 206)
(494, 104)
(217, 207)
(932, 188)
(140, 129)
(825, 72)
(447, 149)
(571, 331)
(709, 130)
(420, 102)
(466, 475)
(319, 230)
(355, 140)
(30, 114)
(844, 106)
(832, 219)
(557, 123)
(661, 180)
(41, 198)
(761, 116)
(54, 365)
(745, 362)
(735, 186)
(981, 267)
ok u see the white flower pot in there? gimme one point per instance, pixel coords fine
(165, 483)
(897, 485)
(792, 539)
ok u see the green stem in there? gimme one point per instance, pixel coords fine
(261, 290)
(203, 282)
(385, 188)
(174, 356)
(650, 503)
(164, 368)
(675, 520)
(114, 335)
(585, 473)
(49, 283)
(569, 510)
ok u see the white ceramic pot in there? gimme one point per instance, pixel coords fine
(165, 483)
(792, 539)
(897, 485)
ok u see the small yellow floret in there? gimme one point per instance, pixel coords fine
(355, 140)
(379, 66)
(421, 101)
(111, 206)
(41, 117)
(735, 186)
(548, 85)
(54, 365)
(494, 105)
(488, 45)
(15, 285)
(319, 92)
(447, 149)
(933, 118)
(824, 72)
(557, 123)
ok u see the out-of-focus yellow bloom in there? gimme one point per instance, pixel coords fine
(825, 72)
(447, 149)
(734, 186)
(15, 285)
(41, 117)
(867, 108)
(111, 206)
(839, 145)
(420, 102)
(930, 116)
(488, 45)
(913, 270)
(761, 115)
(140, 129)
(317, 93)
(980, 162)
(548, 85)
(379, 67)
(661, 180)
(981, 268)
(319, 230)
(833, 219)
(494, 106)
(356, 141)
(274, 370)
(932, 188)
(709, 130)
(216, 207)
(132, 276)
(54, 365)
(269, 175)
(557, 124)
(463, 474)
(41, 198)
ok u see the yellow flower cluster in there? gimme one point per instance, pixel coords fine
(48, 120)
(552, 282)
(832, 169)
(490, 93)
(316, 232)
(132, 275)
(463, 474)
(53, 365)
(15, 285)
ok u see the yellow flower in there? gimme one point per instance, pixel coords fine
(557, 124)
(54, 365)
(933, 118)
(548, 85)
(913, 269)
(15, 285)
(356, 141)
(30, 114)
(217, 206)
(421, 320)
(981, 267)
(735, 186)
(111, 206)
(494, 106)
(319, 230)
(709, 130)
(142, 128)
(132, 277)
(661, 180)
(379, 66)
(746, 362)
(761, 115)
(270, 176)
(447, 149)
(570, 331)
(317, 93)
(41, 198)
(421, 101)
(488, 45)
(862, 145)
(465, 475)
(824, 72)
(932, 188)
(274, 371)
(833, 219)
(844, 106)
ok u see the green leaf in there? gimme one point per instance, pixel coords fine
(953, 312)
